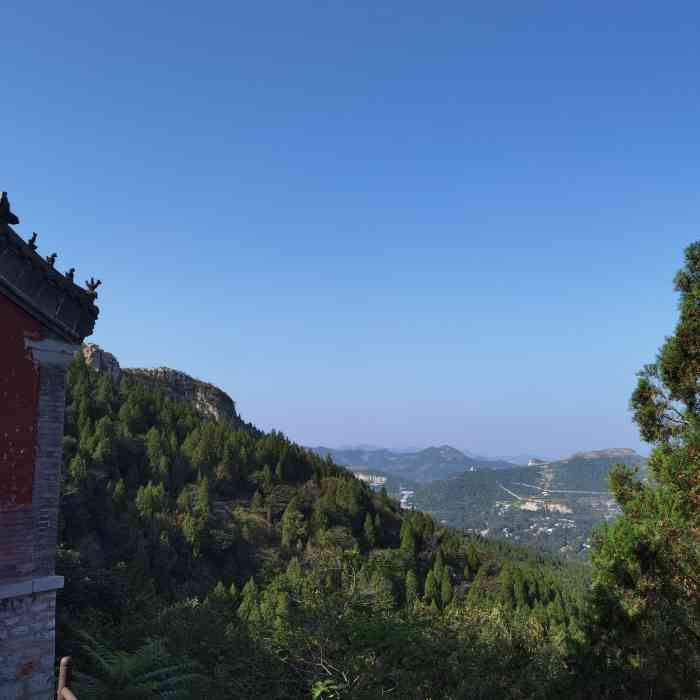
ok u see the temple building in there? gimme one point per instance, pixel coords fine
(44, 317)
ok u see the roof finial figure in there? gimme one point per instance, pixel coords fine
(6, 216)
(70, 274)
(92, 284)
(51, 259)
(32, 241)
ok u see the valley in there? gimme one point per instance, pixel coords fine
(551, 506)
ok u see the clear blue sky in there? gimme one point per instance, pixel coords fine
(406, 223)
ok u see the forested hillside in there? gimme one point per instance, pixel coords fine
(205, 558)
(553, 506)
(263, 570)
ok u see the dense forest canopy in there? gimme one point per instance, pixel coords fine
(210, 559)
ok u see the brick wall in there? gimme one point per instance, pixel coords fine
(32, 404)
(27, 628)
(45, 499)
(19, 393)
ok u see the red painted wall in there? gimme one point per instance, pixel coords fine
(19, 397)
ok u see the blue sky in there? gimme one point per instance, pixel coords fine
(401, 224)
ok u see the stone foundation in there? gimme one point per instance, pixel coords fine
(27, 653)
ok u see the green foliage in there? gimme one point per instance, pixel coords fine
(293, 526)
(150, 500)
(446, 590)
(646, 616)
(290, 581)
(147, 673)
(370, 531)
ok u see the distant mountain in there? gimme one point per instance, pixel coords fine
(522, 459)
(423, 465)
(552, 505)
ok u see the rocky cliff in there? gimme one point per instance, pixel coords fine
(209, 400)
(101, 360)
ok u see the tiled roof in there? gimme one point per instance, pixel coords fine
(33, 283)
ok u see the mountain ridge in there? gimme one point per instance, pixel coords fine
(441, 462)
(208, 399)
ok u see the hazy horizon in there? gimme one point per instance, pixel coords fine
(394, 225)
(542, 454)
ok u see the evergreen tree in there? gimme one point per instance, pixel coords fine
(506, 584)
(411, 585)
(432, 590)
(647, 564)
(472, 562)
(248, 609)
(202, 500)
(293, 527)
(446, 590)
(369, 531)
(267, 478)
(408, 539)
(439, 564)
(150, 500)
(378, 528)
(77, 469)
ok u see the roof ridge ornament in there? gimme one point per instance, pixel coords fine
(32, 241)
(92, 284)
(6, 216)
(51, 259)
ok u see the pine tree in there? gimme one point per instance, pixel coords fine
(519, 588)
(505, 581)
(472, 564)
(219, 594)
(78, 468)
(411, 588)
(446, 590)
(439, 564)
(150, 500)
(384, 499)
(408, 539)
(248, 609)
(267, 479)
(432, 588)
(647, 563)
(293, 526)
(370, 534)
(202, 501)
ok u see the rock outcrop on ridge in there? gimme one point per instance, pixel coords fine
(208, 400)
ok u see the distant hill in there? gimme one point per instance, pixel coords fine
(521, 460)
(426, 465)
(552, 505)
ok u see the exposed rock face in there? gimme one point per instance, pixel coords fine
(207, 399)
(101, 360)
(613, 452)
